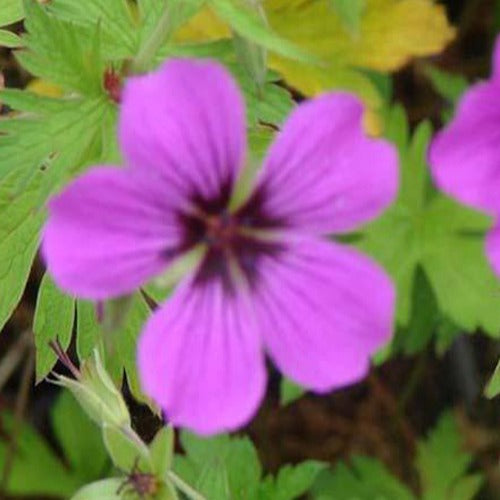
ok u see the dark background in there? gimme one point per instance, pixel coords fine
(399, 402)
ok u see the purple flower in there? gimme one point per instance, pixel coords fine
(268, 280)
(465, 156)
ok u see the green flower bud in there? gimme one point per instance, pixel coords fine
(96, 393)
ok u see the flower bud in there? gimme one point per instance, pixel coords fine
(96, 393)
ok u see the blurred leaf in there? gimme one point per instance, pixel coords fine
(291, 482)
(162, 451)
(424, 319)
(391, 32)
(49, 138)
(220, 467)
(18, 241)
(180, 12)
(247, 23)
(449, 86)
(350, 13)
(116, 24)
(424, 228)
(79, 438)
(87, 329)
(493, 388)
(55, 136)
(105, 489)
(290, 391)
(269, 104)
(9, 39)
(62, 53)
(228, 468)
(37, 469)
(446, 333)
(443, 464)
(126, 449)
(122, 357)
(11, 12)
(366, 479)
(54, 316)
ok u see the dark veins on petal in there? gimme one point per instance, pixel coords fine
(232, 238)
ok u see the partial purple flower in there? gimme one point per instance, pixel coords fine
(465, 156)
(268, 281)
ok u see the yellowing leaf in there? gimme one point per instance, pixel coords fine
(203, 26)
(44, 88)
(390, 33)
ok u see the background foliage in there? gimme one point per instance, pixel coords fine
(60, 117)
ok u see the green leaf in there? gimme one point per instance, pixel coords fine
(291, 482)
(162, 451)
(446, 333)
(126, 449)
(219, 467)
(180, 12)
(55, 136)
(54, 316)
(247, 23)
(18, 242)
(493, 387)
(350, 13)
(87, 329)
(449, 86)
(366, 479)
(118, 28)
(121, 343)
(424, 228)
(11, 12)
(269, 104)
(62, 52)
(290, 391)
(443, 464)
(9, 39)
(122, 356)
(84, 449)
(35, 470)
(105, 489)
(424, 319)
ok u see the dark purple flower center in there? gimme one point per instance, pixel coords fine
(221, 230)
(235, 240)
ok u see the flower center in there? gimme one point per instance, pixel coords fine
(235, 241)
(220, 230)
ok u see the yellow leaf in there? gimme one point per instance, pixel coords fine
(203, 26)
(42, 87)
(391, 33)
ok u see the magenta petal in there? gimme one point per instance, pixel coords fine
(187, 121)
(107, 233)
(465, 156)
(323, 309)
(323, 174)
(493, 248)
(200, 359)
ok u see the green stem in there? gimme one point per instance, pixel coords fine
(142, 62)
(184, 487)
